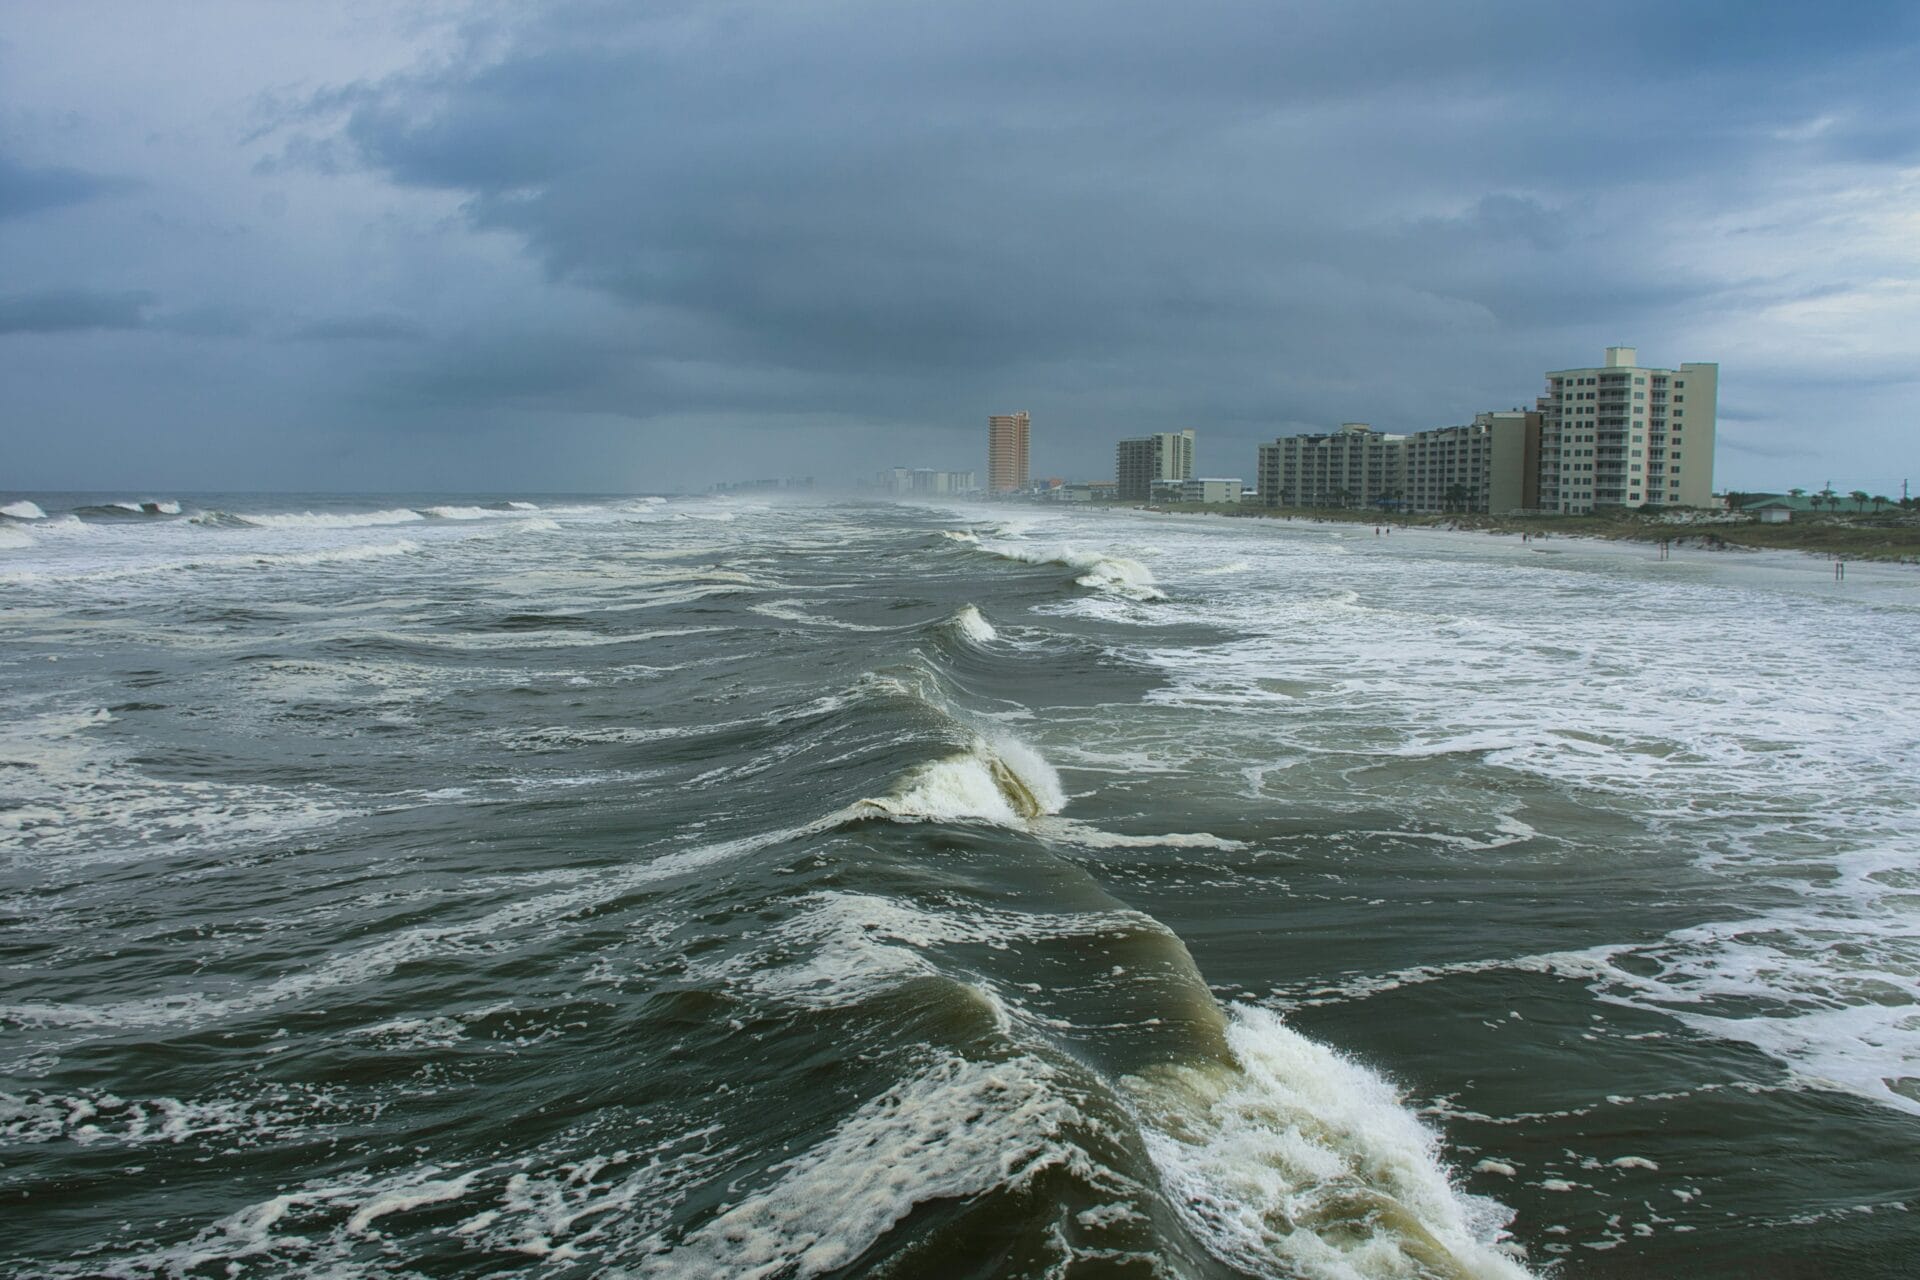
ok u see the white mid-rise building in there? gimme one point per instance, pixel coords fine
(1490, 464)
(1626, 435)
(1355, 466)
(899, 481)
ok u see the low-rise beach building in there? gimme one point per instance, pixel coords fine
(1212, 490)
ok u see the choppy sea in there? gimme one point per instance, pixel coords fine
(553, 887)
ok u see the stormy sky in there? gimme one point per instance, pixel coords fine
(502, 247)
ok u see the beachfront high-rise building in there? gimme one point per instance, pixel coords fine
(1626, 435)
(1007, 442)
(1165, 456)
(1355, 466)
(1490, 465)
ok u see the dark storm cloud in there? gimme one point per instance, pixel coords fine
(26, 189)
(68, 311)
(527, 372)
(950, 192)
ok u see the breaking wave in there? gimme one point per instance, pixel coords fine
(23, 511)
(1099, 570)
(970, 624)
(1290, 1151)
(1004, 782)
(312, 519)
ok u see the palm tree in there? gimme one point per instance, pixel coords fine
(1880, 501)
(1456, 497)
(1860, 499)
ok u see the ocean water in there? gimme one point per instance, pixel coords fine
(534, 886)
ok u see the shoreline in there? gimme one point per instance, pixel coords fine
(1890, 540)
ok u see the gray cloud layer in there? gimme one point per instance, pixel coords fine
(835, 235)
(27, 189)
(65, 311)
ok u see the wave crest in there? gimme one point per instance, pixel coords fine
(311, 519)
(972, 625)
(1099, 570)
(1004, 782)
(1293, 1151)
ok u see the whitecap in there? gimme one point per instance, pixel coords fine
(1099, 570)
(1292, 1151)
(1003, 781)
(955, 1130)
(314, 519)
(970, 623)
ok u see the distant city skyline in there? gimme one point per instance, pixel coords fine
(463, 246)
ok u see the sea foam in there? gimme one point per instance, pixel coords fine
(957, 1129)
(1295, 1153)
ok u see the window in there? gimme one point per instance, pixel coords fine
(1678, 399)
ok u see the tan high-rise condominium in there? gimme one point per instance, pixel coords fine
(1007, 437)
